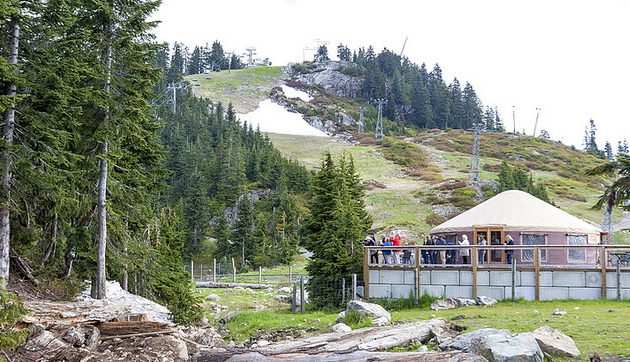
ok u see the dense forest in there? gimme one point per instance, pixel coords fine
(104, 177)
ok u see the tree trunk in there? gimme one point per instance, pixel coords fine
(7, 135)
(100, 291)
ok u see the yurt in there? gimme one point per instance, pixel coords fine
(529, 221)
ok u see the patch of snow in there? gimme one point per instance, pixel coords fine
(294, 93)
(116, 295)
(273, 118)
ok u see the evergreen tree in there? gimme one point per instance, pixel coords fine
(618, 193)
(335, 225)
(608, 151)
(321, 54)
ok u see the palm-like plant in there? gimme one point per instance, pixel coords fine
(618, 193)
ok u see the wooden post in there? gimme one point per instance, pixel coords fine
(537, 271)
(234, 275)
(343, 290)
(474, 260)
(291, 274)
(192, 272)
(294, 300)
(302, 301)
(214, 270)
(260, 275)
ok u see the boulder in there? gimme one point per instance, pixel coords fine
(496, 345)
(446, 303)
(283, 298)
(213, 297)
(228, 317)
(465, 302)
(369, 309)
(284, 290)
(554, 342)
(361, 291)
(340, 328)
(486, 301)
(341, 317)
(297, 300)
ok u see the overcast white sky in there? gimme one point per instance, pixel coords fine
(569, 58)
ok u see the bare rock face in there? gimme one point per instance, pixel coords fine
(554, 342)
(329, 78)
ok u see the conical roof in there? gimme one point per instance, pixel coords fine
(516, 210)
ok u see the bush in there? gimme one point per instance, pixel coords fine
(355, 319)
(11, 310)
(435, 219)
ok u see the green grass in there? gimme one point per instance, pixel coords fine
(596, 326)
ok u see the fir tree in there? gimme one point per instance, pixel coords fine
(335, 225)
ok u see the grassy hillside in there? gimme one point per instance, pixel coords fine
(244, 88)
(414, 183)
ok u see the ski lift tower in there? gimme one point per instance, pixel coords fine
(172, 89)
(361, 120)
(378, 134)
(250, 56)
(475, 172)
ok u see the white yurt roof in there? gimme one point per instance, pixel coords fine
(516, 210)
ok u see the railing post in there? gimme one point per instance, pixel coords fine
(290, 273)
(603, 261)
(192, 272)
(214, 270)
(234, 275)
(260, 275)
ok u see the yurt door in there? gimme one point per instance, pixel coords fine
(496, 256)
(492, 237)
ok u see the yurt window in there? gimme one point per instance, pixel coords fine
(576, 255)
(533, 239)
(452, 238)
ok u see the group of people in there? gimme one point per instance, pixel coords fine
(446, 256)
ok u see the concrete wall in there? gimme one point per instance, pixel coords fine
(559, 284)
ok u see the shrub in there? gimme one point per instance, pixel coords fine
(435, 219)
(11, 310)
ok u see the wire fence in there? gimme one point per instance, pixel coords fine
(224, 273)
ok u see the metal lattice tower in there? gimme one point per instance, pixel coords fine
(475, 171)
(378, 134)
(172, 89)
(361, 120)
(608, 225)
(250, 56)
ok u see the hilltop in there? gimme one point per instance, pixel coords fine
(419, 178)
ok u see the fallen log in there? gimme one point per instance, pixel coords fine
(366, 339)
(209, 354)
(147, 334)
(232, 285)
(130, 328)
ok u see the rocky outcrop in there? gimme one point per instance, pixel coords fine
(371, 310)
(329, 78)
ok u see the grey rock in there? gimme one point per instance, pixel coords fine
(340, 328)
(341, 317)
(213, 297)
(446, 303)
(554, 342)
(369, 309)
(283, 298)
(284, 290)
(180, 349)
(496, 345)
(486, 301)
(380, 321)
(228, 317)
(361, 291)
